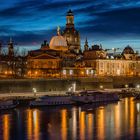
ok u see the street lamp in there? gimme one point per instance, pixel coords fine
(137, 86)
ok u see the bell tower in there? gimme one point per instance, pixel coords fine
(71, 34)
(11, 48)
(86, 45)
(70, 19)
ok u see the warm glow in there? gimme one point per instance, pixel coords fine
(36, 124)
(82, 73)
(29, 124)
(117, 119)
(6, 127)
(64, 124)
(90, 126)
(101, 122)
(6, 72)
(64, 72)
(29, 72)
(82, 126)
(74, 123)
(71, 72)
(87, 72)
(132, 114)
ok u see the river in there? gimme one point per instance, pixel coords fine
(120, 120)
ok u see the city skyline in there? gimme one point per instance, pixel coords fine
(110, 23)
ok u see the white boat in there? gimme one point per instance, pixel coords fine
(8, 104)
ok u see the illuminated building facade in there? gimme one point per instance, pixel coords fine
(71, 35)
(61, 57)
(125, 64)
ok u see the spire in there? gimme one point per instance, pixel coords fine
(86, 45)
(58, 30)
(69, 13)
(11, 47)
(11, 41)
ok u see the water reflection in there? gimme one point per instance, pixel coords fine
(74, 123)
(29, 124)
(6, 126)
(113, 121)
(82, 125)
(33, 124)
(90, 126)
(101, 123)
(64, 124)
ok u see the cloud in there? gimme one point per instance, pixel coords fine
(31, 21)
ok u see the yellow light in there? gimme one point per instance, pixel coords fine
(29, 72)
(82, 73)
(10, 72)
(101, 87)
(5, 72)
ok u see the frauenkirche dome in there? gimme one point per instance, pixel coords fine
(58, 42)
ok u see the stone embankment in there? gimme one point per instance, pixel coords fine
(44, 85)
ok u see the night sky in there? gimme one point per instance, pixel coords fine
(112, 23)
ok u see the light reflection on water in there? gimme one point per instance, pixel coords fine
(113, 121)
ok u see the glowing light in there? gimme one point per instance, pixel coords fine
(71, 72)
(126, 86)
(34, 90)
(64, 124)
(64, 72)
(6, 127)
(118, 72)
(87, 72)
(82, 73)
(82, 125)
(74, 87)
(101, 87)
(29, 72)
(92, 72)
(138, 86)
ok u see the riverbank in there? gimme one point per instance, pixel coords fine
(43, 85)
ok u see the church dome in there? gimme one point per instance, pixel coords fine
(128, 50)
(58, 42)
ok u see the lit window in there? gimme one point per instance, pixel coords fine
(71, 72)
(64, 72)
(87, 72)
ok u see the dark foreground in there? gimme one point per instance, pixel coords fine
(113, 121)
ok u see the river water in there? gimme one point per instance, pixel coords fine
(119, 120)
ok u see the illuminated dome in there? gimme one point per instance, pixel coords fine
(128, 50)
(58, 42)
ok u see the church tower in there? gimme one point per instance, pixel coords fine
(86, 45)
(11, 48)
(71, 35)
(70, 19)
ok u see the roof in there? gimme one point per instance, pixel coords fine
(45, 56)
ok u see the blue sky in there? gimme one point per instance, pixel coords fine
(112, 23)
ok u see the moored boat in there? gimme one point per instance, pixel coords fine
(94, 97)
(52, 100)
(69, 98)
(7, 104)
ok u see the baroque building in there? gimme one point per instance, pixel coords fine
(70, 33)
(62, 58)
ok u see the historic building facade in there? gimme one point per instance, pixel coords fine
(126, 64)
(62, 57)
(70, 33)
